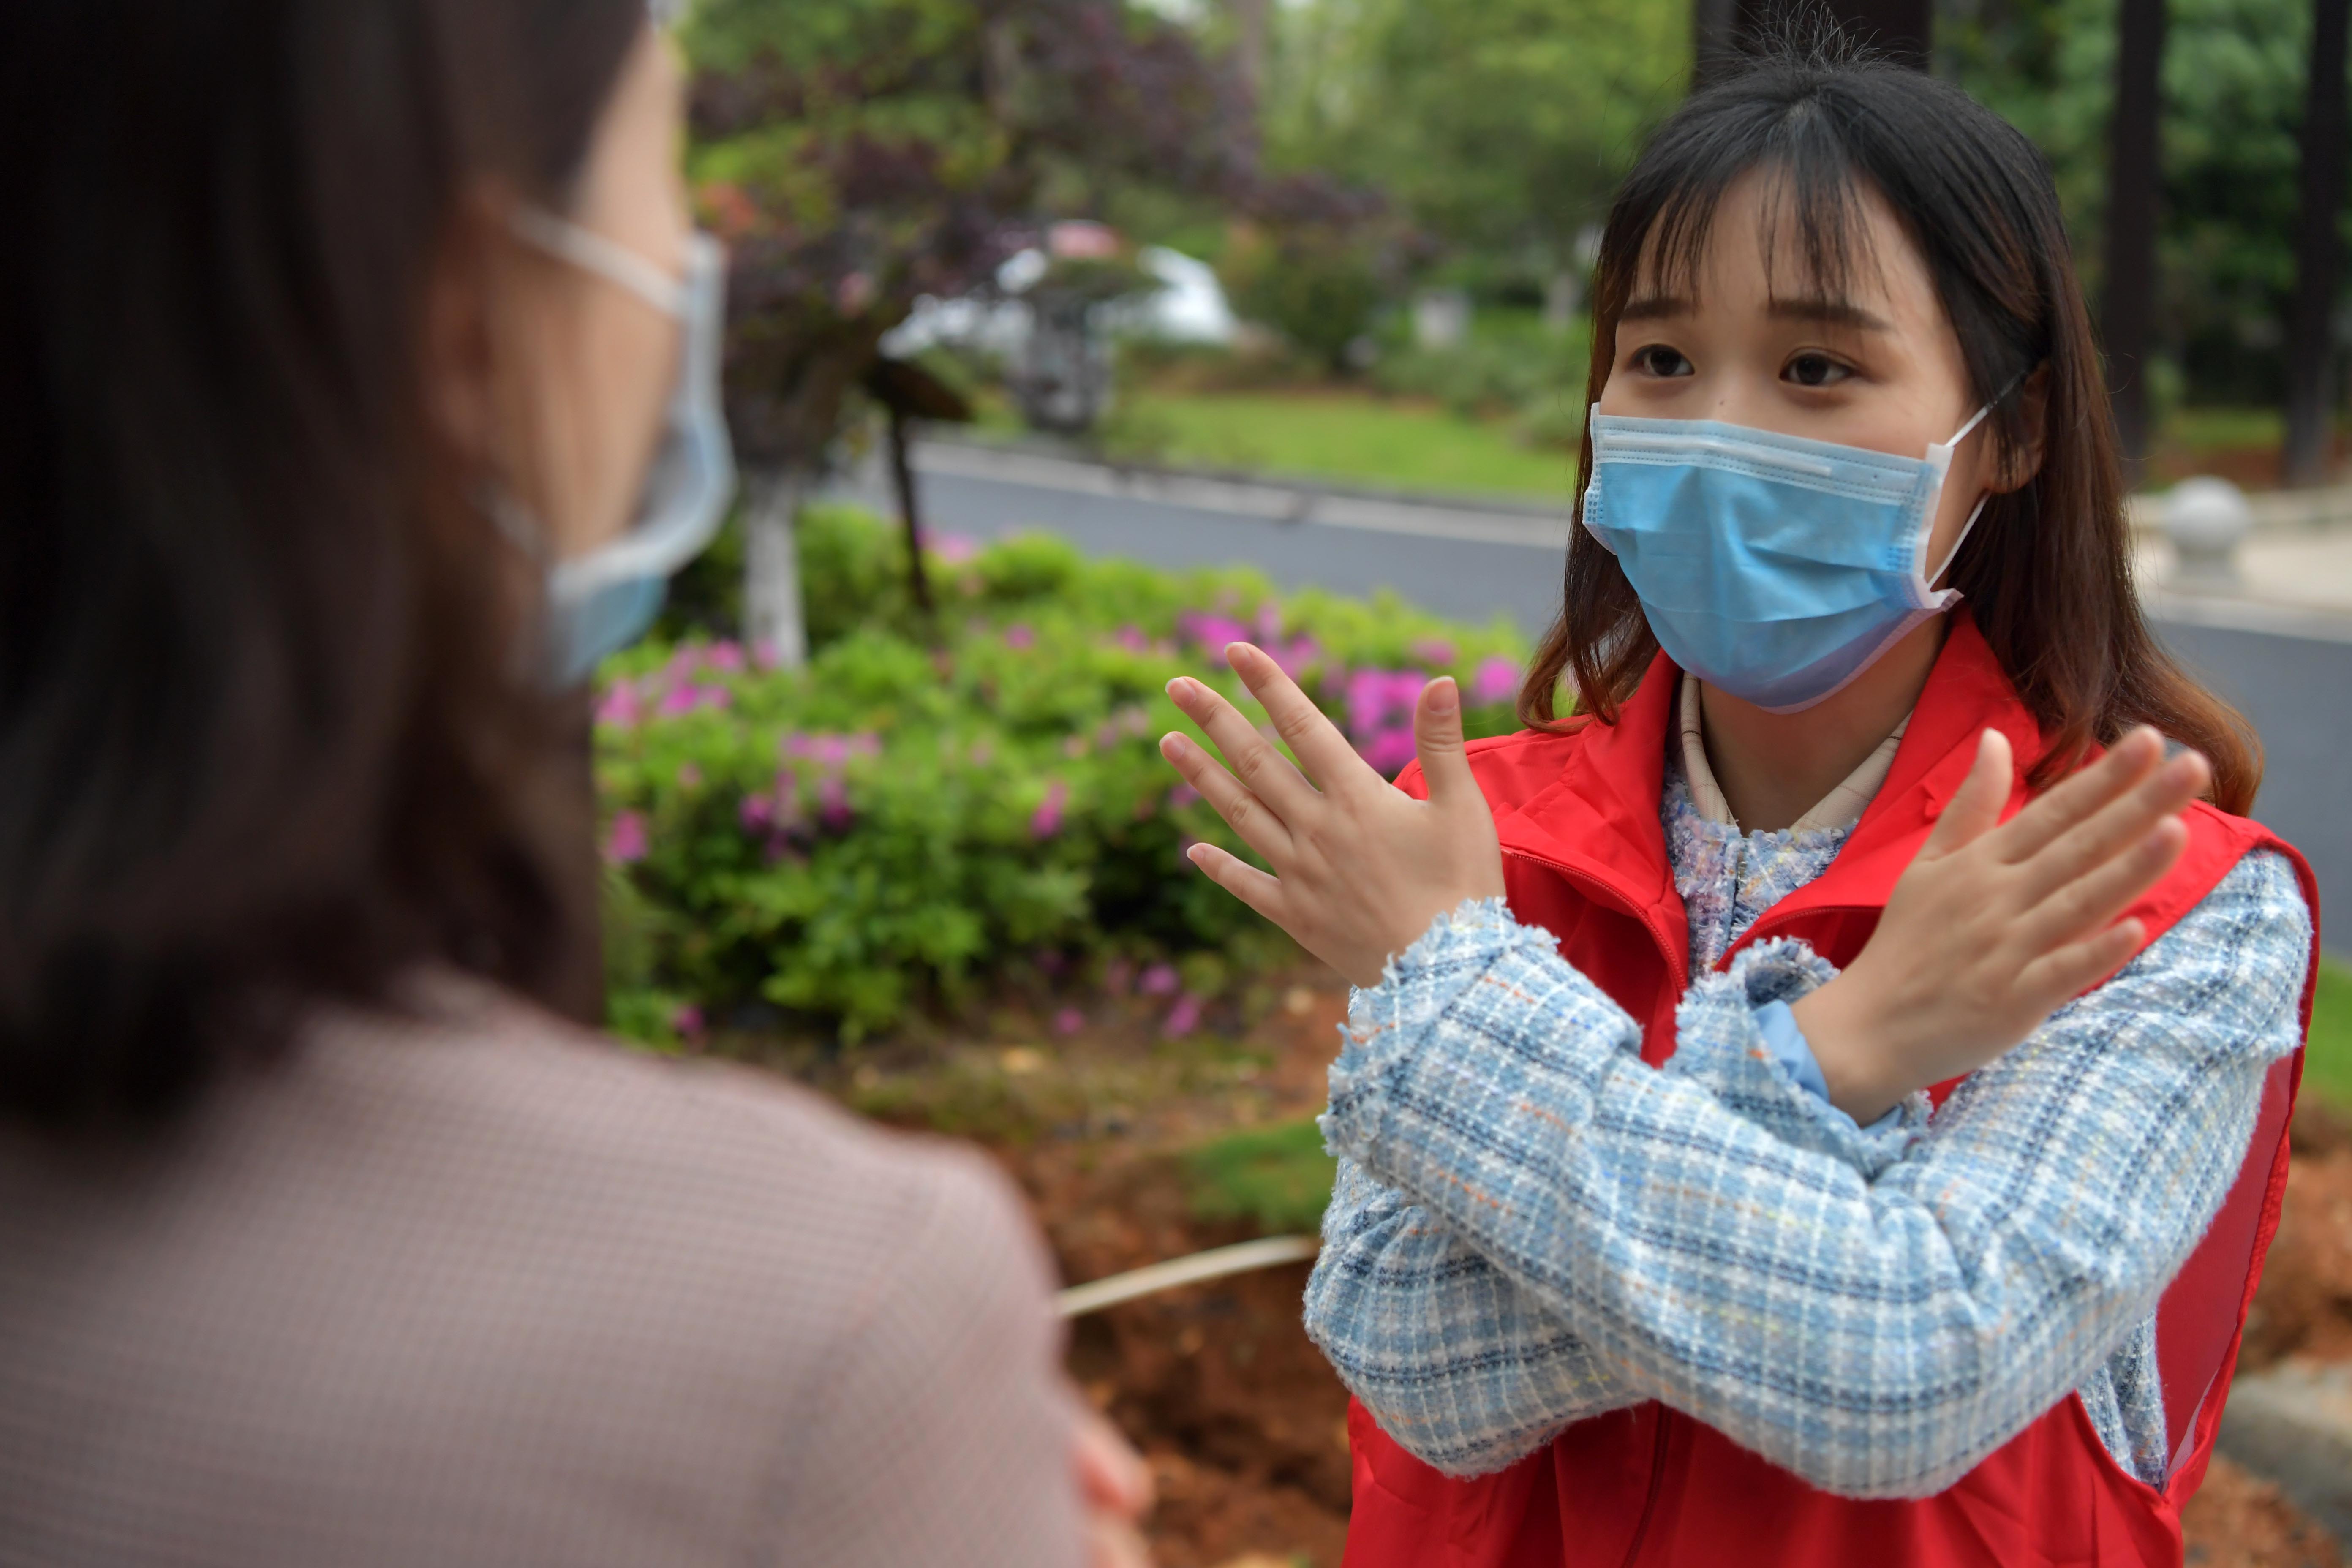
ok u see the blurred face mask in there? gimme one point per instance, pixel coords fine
(601, 602)
(1774, 567)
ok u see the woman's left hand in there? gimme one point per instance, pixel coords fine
(1361, 868)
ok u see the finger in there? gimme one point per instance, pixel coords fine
(2057, 977)
(1114, 1543)
(1256, 761)
(1313, 738)
(1243, 881)
(1111, 1473)
(1437, 739)
(2127, 761)
(1975, 807)
(2093, 900)
(2116, 826)
(1246, 812)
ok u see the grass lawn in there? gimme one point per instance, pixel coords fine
(1362, 440)
(2327, 1061)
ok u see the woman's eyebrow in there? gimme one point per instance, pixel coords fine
(1654, 307)
(1831, 312)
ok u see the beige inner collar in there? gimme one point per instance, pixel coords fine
(1842, 807)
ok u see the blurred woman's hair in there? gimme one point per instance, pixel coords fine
(2047, 570)
(265, 736)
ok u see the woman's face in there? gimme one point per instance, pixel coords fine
(582, 368)
(1877, 367)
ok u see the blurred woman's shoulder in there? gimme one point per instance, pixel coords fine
(503, 1289)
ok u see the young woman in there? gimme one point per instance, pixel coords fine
(358, 385)
(1661, 1233)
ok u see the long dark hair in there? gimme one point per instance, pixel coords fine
(264, 737)
(2047, 570)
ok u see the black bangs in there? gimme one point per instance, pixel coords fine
(1812, 194)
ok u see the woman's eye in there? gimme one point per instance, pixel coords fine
(1815, 370)
(1656, 359)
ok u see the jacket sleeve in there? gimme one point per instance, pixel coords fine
(1465, 1368)
(1874, 1310)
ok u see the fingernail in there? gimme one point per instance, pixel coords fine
(1179, 688)
(1442, 695)
(1195, 852)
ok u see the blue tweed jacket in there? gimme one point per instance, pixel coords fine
(1531, 1227)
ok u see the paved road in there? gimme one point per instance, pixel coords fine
(2291, 672)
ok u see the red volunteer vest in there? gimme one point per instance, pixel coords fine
(1585, 858)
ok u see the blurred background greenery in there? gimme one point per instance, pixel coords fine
(1398, 200)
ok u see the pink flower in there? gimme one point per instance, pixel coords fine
(620, 707)
(1075, 747)
(688, 1022)
(1182, 1018)
(1159, 979)
(757, 814)
(1211, 632)
(832, 804)
(1391, 750)
(713, 697)
(1131, 639)
(1069, 1021)
(1434, 651)
(677, 700)
(1295, 655)
(626, 844)
(766, 654)
(1182, 796)
(688, 775)
(953, 549)
(1047, 821)
(1019, 637)
(727, 656)
(1496, 678)
(1376, 697)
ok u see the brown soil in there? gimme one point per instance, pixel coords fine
(1243, 1422)
(2236, 1521)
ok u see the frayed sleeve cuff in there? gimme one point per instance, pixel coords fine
(1736, 1033)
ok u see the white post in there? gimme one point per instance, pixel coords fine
(772, 617)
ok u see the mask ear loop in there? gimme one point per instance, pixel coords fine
(1978, 417)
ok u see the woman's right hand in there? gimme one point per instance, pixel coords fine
(1996, 925)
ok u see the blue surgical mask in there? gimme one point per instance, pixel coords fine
(600, 603)
(1773, 567)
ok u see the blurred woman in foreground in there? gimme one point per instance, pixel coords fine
(357, 391)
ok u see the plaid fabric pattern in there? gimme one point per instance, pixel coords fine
(1531, 1227)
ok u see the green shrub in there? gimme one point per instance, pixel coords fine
(902, 823)
(1278, 1176)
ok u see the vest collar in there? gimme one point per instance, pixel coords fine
(1598, 822)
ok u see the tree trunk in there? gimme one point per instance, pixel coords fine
(2134, 191)
(774, 621)
(902, 479)
(2310, 332)
(1250, 47)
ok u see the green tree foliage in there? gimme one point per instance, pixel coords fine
(860, 153)
(2234, 78)
(1501, 126)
